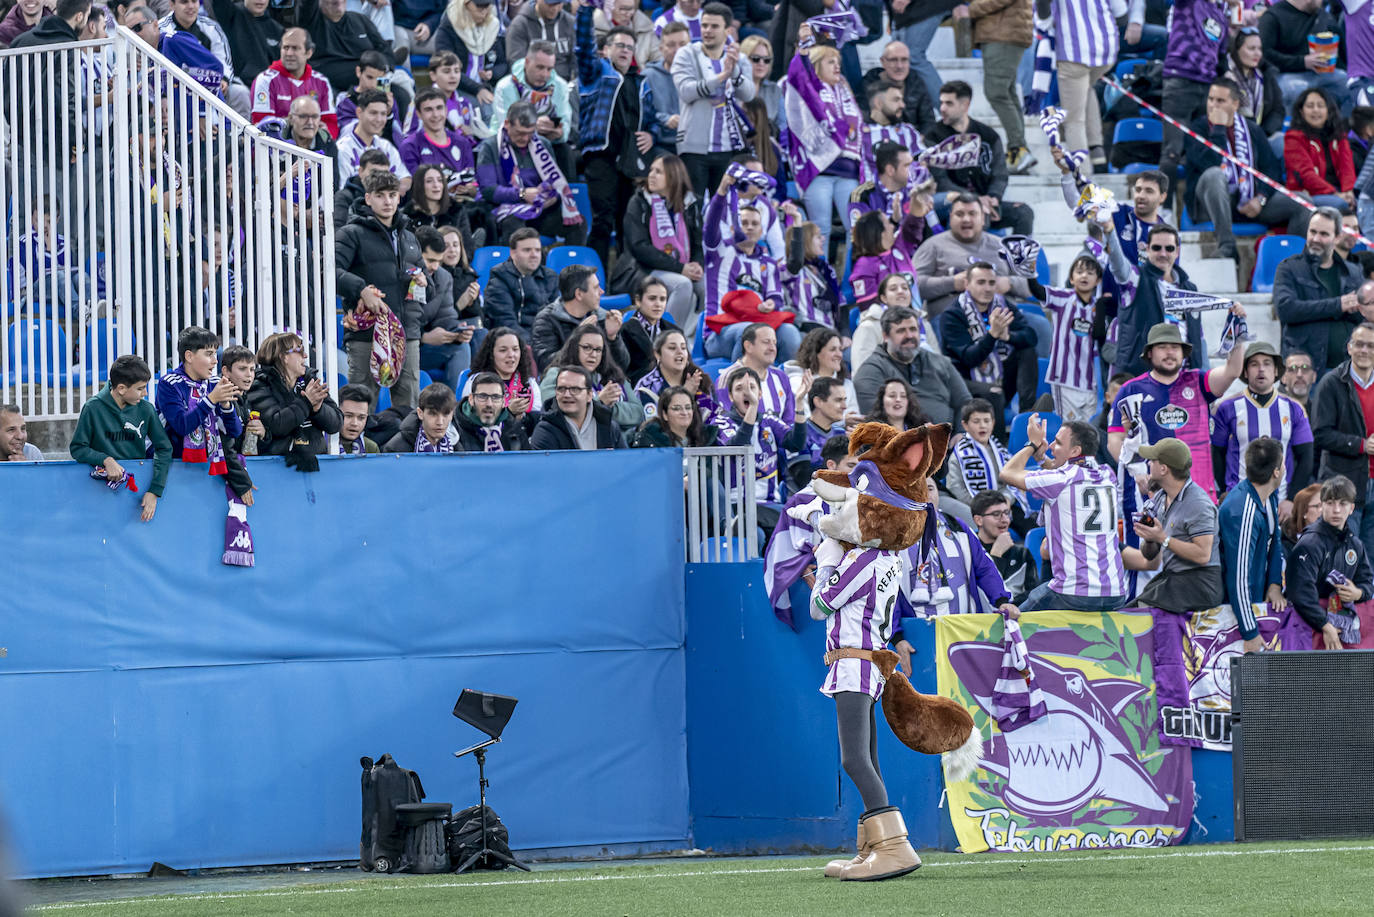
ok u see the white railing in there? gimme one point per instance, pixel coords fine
(722, 519)
(137, 204)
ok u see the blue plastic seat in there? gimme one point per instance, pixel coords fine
(462, 383)
(1016, 436)
(383, 399)
(31, 348)
(1187, 224)
(96, 353)
(583, 195)
(565, 255)
(1132, 168)
(1042, 268)
(1272, 250)
(1137, 130)
(486, 258)
(426, 380)
(1044, 387)
(698, 340)
(1034, 538)
(1128, 65)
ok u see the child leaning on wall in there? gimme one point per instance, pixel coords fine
(120, 423)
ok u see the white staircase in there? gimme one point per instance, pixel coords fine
(1061, 236)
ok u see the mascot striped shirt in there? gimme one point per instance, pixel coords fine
(860, 601)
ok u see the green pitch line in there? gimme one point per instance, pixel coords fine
(1237, 879)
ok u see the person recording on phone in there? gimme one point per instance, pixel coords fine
(292, 403)
(1179, 529)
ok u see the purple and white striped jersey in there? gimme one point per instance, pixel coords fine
(860, 599)
(874, 134)
(673, 14)
(1085, 32)
(1072, 347)
(1240, 421)
(776, 398)
(1080, 527)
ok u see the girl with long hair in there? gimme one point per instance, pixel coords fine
(876, 256)
(675, 369)
(1316, 152)
(589, 348)
(821, 354)
(662, 239)
(896, 406)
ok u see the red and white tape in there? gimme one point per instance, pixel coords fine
(1188, 131)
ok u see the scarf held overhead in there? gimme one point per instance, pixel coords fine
(990, 370)
(823, 120)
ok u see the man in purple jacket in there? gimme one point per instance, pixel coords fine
(1199, 27)
(517, 175)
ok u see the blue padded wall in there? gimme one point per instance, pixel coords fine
(159, 705)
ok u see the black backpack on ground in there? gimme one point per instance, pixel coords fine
(464, 831)
(385, 786)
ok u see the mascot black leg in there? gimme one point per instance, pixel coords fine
(884, 852)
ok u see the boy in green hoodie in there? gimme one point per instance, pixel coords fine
(118, 424)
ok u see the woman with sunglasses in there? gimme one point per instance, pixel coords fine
(759, 53)
(1261, 99)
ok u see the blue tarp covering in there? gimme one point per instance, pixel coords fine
(158, 705)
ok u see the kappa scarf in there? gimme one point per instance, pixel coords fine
(668, 230)
(238, 537)
(1237, 178)
(1016, 697)
(551, 181)
(203, 443)
(990, 370)
(823, 121)
(977, 465)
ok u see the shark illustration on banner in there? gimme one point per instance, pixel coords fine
(1092, 772)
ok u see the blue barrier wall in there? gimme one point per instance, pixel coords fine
(161, 706)
(762, 754)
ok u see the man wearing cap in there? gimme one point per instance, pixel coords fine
(1179, 534)
(1257, 412)
(1316, 295)
(1172, 402)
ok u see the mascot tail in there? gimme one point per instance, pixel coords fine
(928, 723)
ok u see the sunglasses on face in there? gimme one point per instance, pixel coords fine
(1299, 368)
(1163, 248)
(761, 59)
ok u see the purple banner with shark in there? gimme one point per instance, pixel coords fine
(1092, 772)
(1192, 659)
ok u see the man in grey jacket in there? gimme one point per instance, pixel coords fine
(932, 376)
(711, 84)
(546, 20)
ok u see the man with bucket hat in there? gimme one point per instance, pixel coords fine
(1171, 401)
(1261, 411)
(1178, 532)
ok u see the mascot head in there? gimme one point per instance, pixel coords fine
(883, 502)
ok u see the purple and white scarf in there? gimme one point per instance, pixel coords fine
(238, 537)
(124, 482)
(746, 176)
(990, 370)
(668, 230)
(443, 446)
(651, 328)
(729, 125)
(958, 151)
(551, 183)
(202, 444)
(357, 448)
(1039, 95)
(1016, 697)
(975, 465)
(1238, 179)
(491, 439)
(823, 121)
(541, 99)
(841, 25)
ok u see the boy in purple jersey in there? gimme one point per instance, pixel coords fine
(1170, 401)
(1257, 412)
(1080, 516)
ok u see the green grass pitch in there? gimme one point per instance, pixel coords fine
(1311, 878)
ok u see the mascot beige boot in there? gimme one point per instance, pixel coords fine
(890, 855)
(834, 868)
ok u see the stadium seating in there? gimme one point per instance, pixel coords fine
(564, 255)
(426, 380)
(1016, 436)
(1272, 250)
(1188, 224)
(1034, 538)
(96, 353)
(486, 258)
(1044, 387)
(1137, 130)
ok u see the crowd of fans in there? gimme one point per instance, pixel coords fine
(749, 184)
